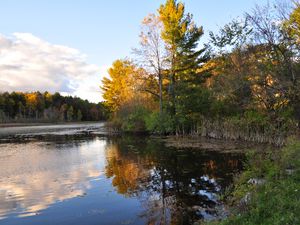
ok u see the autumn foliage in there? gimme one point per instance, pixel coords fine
(245, 79)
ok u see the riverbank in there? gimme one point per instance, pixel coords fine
(245, 128)
(268, 191)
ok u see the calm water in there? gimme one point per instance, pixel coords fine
(75, 175)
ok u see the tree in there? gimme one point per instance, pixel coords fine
(292, 27)
(181, 36)
(70, 113)
(31, 103)
(261, 56)
(48, 98)
(293, 24)
(279, 71)
(152, 51)
(62, 112)
(79, 115)
(125, 85)
(120, 87)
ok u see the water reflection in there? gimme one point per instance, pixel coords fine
(134, 180)
(175, 187)
(35, 175)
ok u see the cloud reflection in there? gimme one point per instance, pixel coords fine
(35, 175)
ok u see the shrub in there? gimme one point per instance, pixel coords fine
(161, 124)
(135, 121)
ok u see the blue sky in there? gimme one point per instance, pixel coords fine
(102, 30)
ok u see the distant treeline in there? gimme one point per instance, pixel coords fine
(46, 107)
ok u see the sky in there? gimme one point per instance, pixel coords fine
(67, 46)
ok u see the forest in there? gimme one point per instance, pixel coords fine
(241, 84)
(46, 107)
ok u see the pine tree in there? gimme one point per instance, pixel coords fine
(185, 58)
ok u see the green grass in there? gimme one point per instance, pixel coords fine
(275, 202)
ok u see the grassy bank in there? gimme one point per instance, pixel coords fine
(268, 192)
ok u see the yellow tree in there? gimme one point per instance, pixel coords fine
(294, 24)
(31, 102)
(118, 89)
(127, 84)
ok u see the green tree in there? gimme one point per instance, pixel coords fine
(79, 115)
(185, 59)
(70, 113)
(62, 112)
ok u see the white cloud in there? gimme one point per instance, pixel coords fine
(90, 88)
(28, 63)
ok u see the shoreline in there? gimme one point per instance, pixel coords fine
(211, 144)
(36, 124)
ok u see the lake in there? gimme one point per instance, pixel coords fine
(76, 174)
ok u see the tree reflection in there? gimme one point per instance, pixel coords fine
(174, 186)
(126, 172)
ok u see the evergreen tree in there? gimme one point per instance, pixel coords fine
(185, 58)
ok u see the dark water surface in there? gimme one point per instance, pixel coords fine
(73, 174)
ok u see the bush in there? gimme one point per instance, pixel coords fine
(161, 124)
(135, 120)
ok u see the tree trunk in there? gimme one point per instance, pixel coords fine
(160, 94)
(172, 95)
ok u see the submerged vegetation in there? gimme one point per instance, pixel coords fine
(242, 84)
(46, 107)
